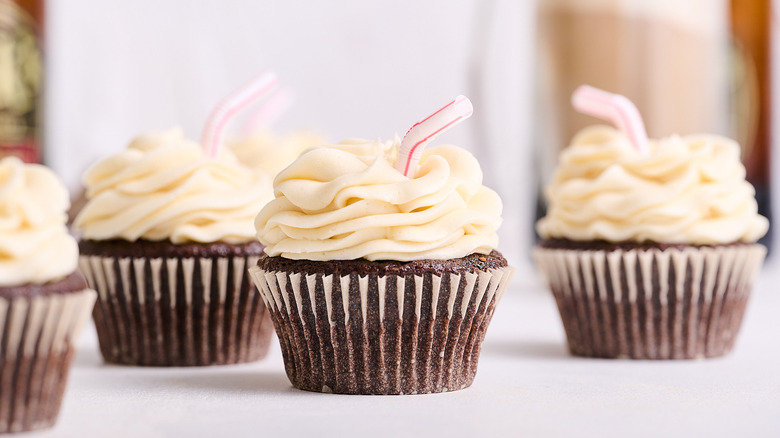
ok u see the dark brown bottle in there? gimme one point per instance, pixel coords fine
(751, 100)
(21, 78)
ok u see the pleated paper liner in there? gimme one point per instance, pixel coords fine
(652, 303)
(36, 347)
(177, 311)
(385, 334)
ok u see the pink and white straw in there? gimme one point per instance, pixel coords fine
(614, 108)
(228, 107)
(270, 111)
(422, 132)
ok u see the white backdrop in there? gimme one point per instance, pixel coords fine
(358, 69)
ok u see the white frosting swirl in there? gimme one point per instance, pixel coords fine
(269, 153)
(348, 202)
(689, 190)
(35, 246)
(165, 187)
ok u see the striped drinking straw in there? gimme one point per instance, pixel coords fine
(228, 107)
(422, 132)
(614, 108)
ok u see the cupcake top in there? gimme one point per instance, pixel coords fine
(688, 190)
(348, 202)
(35, 246)
(165, 187)
(269, 153)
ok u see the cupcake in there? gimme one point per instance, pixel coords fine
(650, 256)
(167, 238)
(44, 302)
(377, 282)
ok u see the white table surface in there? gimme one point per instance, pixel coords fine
(527, 385)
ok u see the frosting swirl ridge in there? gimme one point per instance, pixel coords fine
(347, 202)
(163, 186)
(35, 246)
(689, 190)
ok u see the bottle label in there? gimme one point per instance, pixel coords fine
(21, 75)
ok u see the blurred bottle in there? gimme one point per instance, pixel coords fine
(751, 102)
(21, 78)
(673, 59)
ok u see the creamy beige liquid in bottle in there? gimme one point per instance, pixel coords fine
(669, 57)
(21, 78)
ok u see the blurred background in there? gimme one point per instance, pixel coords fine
(115, 69)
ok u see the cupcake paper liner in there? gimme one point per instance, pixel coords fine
(381, 334)
(651, 303)
(36, 347)
(177, 311)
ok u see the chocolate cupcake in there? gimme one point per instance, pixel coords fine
(167, 239)
(650, 256)
(379, 283)
(43, 301)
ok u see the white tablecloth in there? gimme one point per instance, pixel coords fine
(527, 385)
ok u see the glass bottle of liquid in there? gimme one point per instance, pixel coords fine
(21, 78)
(694, 66)
(752, 94)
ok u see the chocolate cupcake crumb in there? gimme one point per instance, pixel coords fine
(603, 245)
(361, 267)
(165, 248)
(70, 284)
